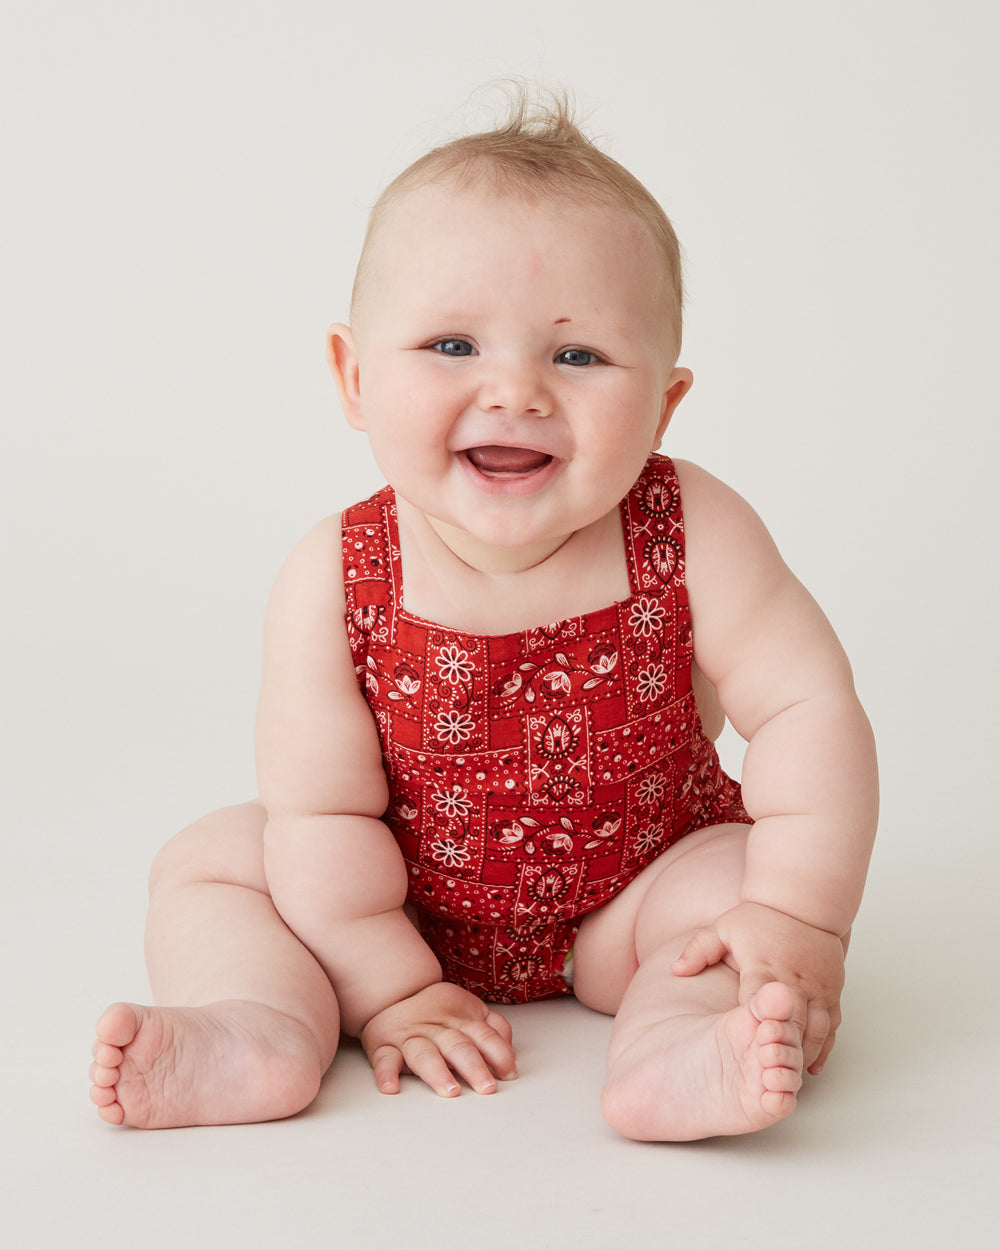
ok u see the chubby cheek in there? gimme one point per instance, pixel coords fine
(624, 431)
(407, 445)
(413, 404)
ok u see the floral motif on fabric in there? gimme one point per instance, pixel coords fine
(532, 776)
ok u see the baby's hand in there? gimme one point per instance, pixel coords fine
(764, 945)
(441, 1032)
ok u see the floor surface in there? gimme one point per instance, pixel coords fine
(895, 1144)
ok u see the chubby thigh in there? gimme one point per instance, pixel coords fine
(690, 885)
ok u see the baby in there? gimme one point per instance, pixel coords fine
(490, 694)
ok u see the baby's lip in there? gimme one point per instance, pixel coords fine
(500, 458)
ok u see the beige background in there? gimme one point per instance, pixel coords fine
(185, 190)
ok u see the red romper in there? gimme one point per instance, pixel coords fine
(533, 775)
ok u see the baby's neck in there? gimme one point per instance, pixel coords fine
(492, 561)
(499, 592)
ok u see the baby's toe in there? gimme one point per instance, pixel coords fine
(781, 1080)
(103, 1077)
(106, 1056)
(778, 1105)
(113, 1113)
(102, 1095)
(118, 1026)
(774, 1001)
(778, 1055)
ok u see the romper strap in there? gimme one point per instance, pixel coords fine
(654, 529)
(368, 573)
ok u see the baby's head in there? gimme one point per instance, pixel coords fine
(514, 335)
(537, 154)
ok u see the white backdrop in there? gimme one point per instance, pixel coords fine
(185, 192)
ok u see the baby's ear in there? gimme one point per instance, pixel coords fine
(342, 357)
(678, 385)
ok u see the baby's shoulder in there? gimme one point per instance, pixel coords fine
(318, 544)
(312, 576)
(710, 504)
(697, 483)
(725, 540)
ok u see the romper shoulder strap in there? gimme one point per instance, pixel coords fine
(368, 573)
(654, 529)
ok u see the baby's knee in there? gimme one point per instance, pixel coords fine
(226, 845)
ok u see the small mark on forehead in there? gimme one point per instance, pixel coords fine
(561, 320)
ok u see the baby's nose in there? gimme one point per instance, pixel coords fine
(517, 388)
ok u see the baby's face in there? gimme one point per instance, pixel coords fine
(510, 362)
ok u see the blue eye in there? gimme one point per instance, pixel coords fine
(577, 356)
(453, 347)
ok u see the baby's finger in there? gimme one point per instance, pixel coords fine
(501, 1024)
(425, 1061)
(494, 1046)
(387, 1063)
(704, 948)
(816, 1068)
(816, 1032)
(466, 1058)
(835, 1016)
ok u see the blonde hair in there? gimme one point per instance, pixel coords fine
(537, 152)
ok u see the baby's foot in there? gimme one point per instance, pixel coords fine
(706, 1076)
(228, 1063)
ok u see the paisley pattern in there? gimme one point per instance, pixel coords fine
(532, 776)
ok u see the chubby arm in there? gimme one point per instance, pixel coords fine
(333, 868)
(809, 776)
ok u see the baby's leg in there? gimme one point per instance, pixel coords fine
(685, 1060)
(252, 1022)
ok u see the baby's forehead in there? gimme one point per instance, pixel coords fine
(451, 196)
(435, 216)
(440, 216)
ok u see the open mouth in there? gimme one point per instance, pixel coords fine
(507, 461)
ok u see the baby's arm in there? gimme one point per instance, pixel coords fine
(333, 868)
(809, 776)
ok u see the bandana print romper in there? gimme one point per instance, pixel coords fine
(533, 775)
